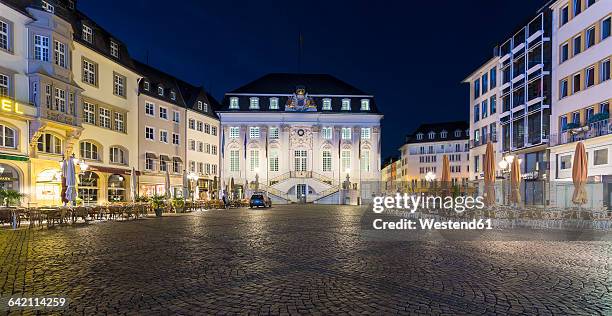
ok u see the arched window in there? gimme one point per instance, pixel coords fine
(444, 134)
(432, 135)
(116, 188)
(118, 155)
(49, 143)
(88, 187)
(419, 136)
(8, 137)
(89, 151)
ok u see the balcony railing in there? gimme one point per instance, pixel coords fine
(483, 141)
(588, 131)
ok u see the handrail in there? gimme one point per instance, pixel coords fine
(326, 193)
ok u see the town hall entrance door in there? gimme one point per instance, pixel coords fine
(300, 191)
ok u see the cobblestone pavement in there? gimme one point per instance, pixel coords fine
(295, 260)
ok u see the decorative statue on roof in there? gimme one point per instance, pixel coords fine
(300, 101)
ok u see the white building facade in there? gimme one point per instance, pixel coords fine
(301, 138)
(581, 95)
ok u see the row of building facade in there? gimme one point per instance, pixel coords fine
(70, 87)
(545, 88)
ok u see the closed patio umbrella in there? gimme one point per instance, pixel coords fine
(185, 185)
(515, 181)
(489, 175)
(231, 188)
(579, 175)
(69, 175)
(446, 175)
(168, 191)
(134, 184)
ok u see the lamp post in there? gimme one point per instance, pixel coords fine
(257, 179)
(192, 177)
(348, 178)
(505, 165)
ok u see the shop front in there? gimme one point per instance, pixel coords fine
(49, 187)
(9, 178)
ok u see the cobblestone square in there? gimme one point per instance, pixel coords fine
(295, 260)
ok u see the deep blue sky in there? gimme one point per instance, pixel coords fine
(412, 55)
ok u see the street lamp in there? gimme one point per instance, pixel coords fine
(430, 177)
(192, 177)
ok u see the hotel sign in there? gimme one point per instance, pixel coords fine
(11, 106)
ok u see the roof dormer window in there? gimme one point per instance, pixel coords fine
(71, 4)
(273, 103)
(200, 105)
(47, 7)
(457, 133)
(419, 136)
(234, 103)
(87, 34)
(346, 104)
(172, 95)
(146, 85)
(327, 104)
(114, 49)
(254, 103)
(160, 90)
(365, 104)
(431, 135)
(444, 134)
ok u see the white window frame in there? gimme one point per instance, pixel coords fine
(346, 104)
(47, 6)
(234, 160)
(234, 103)
(87, 33)
(254, 132)
(60, 100)
(176, 139)
(163, 136)
(365, 104)
(327, 132)
(149, 133)
(104, 115)
(119, 122)
(90, 72)
(119, 85)
(347, 133)
(59, 50)
(327, 106)
(89, 112)
(6, 36)
(366, 133)
(326, 161)
(176, 117)
(150, 108)
(273, 103)
(234, 132)
(254, 103)
(41, 47)
(163, 113)
(274, 133)
(114, 49)
(114, 151)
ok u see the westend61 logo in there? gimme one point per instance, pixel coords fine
(428, 205)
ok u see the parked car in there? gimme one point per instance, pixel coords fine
(258, 200)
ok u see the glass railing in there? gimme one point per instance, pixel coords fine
(595, 129)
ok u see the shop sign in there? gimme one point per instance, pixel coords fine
(11, 106)
(531, 175)
(7, 179)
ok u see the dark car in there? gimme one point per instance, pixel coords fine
(258, 200)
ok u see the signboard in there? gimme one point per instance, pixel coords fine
(11, 106)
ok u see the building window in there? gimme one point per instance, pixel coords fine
(443, 134)
(234, 132)
(273, 103)
(172, 95)
(273, 160)
(119, 85)
(346, 133)
(149, 108)
(176, 117)
(419, 136)
(576, 118)
(200, 105)
(274, 133)
(327, 132)
(41, 47)
(564, 52)
(213, 149)
(147, 85)
(149, 162)
(254, 132)
(200, 147)
(564, 15)
(254, 159)
(199, 126)
(114, 49)
(5, 32)
(365, 105)
(89, 113)
(163, 136)
(327, 104)
(87, 34)
(566, 162)
(590, 77)
(366, 133)
(601, 157)
(576, 83)
(191, 124)
(605, 70)
(493, 104)
(50, 144)
(485, 83)
(47, 6)
(365, 160)
(206, 128)
(590, 37)
(457, 133)
(234, 160)
(89, 151)
(327, 161)
(59, 49)
(431, 135)
(207, 149)
(254, 103)
(7, 137)
(484, 108)
(163, 163)
(213, 130)
(605, 28)
(234, 103)
(192, 145)
(493, 77)
(119, 122)
(577, 7)
(105, 117)
(160, 90)
(346, 161)
(118, 156)
(577, 45)
(346, 104)
(563, 88)
(163, 113)
(175, 139)
(176, 165)
(149, 133)
(90, 70)
(476, 88)
(60, 100)
(604, 107)
(476, 113)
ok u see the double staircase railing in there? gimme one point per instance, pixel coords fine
(301, 175)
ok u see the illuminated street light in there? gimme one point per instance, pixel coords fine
(430, 177)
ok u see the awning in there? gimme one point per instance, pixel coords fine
(150, 156)
(164, 158)
(14, 157)
(112, 170)
(177, 159)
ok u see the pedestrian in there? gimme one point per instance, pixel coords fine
(225, 201)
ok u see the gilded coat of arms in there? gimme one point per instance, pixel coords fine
(300, 101)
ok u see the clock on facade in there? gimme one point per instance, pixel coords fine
(300, 132)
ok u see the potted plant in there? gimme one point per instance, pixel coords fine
(11, 197)
(157, 203)
(179, 204)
